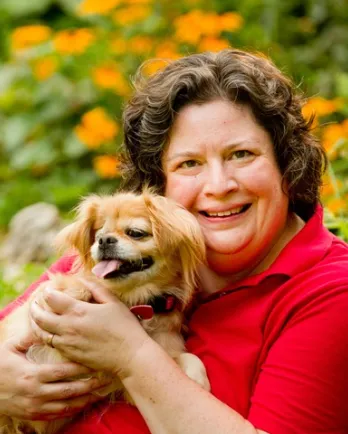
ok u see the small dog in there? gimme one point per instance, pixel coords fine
(143, 248)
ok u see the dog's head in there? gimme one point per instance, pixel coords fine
(132, 239)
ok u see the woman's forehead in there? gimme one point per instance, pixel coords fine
(219, 123)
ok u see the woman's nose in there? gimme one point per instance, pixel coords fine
(218, 182)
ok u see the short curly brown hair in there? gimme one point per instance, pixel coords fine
(237, 76)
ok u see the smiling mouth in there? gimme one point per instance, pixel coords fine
(115, 268)
(225, 214)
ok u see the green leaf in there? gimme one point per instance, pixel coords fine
(69, 5)
(20, 8)
(9, 73)
(342, 84)
(73, 148)
(15, 131)
(34, 153)
(339, 166)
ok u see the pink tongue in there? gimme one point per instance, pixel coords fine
(105, 267)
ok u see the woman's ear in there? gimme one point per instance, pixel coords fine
(176, 230)
(80, 234)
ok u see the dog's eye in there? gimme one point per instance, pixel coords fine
(136, 233)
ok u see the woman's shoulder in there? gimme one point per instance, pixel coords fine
(333, 267)
(315, 282)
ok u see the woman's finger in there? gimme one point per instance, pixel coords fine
(41, 335)
(49, 373)
(63, 408)
(59, 302)
(20, 344)
(44, 323)
(72, 389)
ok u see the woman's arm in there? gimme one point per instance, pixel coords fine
(168, 400)
(172, 403)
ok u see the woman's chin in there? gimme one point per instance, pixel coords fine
(223, 263)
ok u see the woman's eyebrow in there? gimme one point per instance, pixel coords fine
(181, 155)
(189, 154)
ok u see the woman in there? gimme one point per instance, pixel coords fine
(223, 134)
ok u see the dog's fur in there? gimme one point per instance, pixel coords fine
(172, 238)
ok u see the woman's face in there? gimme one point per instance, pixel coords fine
(221, 166)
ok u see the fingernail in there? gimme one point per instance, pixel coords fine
(87, 378)
(48, 290)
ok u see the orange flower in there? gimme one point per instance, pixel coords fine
(210, 24)
(109, 77)
(167, 50)
(189, 27)
(328, 188)
(45, 68)
(320, 107)
(98, 7)
(344, 126)
(331, 135)
(118, 45)
(230, 21)
(195, 24)
(210, 43)
(140, 44)
(139, 2)
(336, 205)
(131, 14)
(74, 41)
(106, 166)
(28, 36)
(96, 128)
(154, 65)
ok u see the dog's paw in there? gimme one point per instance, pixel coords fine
(194, 369)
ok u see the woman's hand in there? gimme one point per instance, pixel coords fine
(41, 392)
(104, 336)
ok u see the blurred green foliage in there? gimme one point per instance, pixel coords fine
(15, 279)
(66, 68)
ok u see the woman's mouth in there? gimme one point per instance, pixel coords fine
(226, 214)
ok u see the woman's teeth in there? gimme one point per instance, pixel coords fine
(225, 213)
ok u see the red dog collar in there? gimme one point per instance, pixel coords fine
(161, 304)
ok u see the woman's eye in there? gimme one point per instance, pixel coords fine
(240, 154)
(136, 233)
(188, 164)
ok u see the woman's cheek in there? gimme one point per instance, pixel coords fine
(182, 189)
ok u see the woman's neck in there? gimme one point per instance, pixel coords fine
(211, 282)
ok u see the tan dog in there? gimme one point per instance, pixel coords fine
(145, 249)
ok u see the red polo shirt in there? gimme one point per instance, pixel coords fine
(275, 345)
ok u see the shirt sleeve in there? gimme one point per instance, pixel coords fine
(63, 265)
(303, 384)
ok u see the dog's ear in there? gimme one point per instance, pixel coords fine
(80, 234)
(176, 230)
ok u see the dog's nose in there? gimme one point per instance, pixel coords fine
(106, 240)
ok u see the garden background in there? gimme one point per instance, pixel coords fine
(66, 69)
